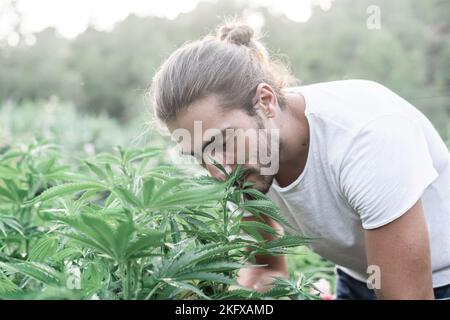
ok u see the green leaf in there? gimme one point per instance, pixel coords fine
(66, 189)
(219, 266)
(45, 166)
(239, 294)
(97, 170)
(134, 155)
(90, 243)
(127, 197)
(67, 253)
(11, 154)
(286, 242)
(187, 287)
(7, 286)
(98, 229)
(91, 231)
(12, 223)
(166, 187)
(206, 276)
(109, 171)
(258, 225)
(35, 270)
(107, 158)
(176, 235)
(7, 194)
(147, 190)
(267, 208)
(255, 194)
(43, 249)
(151, 239)
(194, 222)
(122, 237)
(192, 197)
(14, 190)
(200, 253)
(7, 172)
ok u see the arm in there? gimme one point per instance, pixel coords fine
(259, 278)
(401, 250)
(383, 175)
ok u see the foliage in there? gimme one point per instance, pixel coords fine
(76, 135)
(304, 262)
(111, 71)
(124, 226)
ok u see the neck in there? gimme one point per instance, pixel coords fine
(294, 139)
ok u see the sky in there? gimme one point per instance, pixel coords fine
(71, 17)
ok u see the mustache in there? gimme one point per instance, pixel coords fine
(248, 172)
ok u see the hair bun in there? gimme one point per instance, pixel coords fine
(239, 34)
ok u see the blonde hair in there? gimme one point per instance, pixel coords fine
(230, 64)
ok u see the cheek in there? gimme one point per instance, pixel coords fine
(246, 148)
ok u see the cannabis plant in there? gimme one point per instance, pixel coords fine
(127, 226)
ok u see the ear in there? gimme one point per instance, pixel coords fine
(265, 99)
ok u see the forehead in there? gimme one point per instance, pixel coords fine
(206, 109)
(209, 112)
(194, 124)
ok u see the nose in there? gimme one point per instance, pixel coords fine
(216, 173)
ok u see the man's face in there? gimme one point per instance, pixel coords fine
(230, 137)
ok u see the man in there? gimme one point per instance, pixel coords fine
(359, 168)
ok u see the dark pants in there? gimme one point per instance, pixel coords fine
(348, 288)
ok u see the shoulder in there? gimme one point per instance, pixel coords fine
(351, 103)
(347, 84)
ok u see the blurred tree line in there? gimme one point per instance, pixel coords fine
(109, 72)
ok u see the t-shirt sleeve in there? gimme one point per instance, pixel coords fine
(386, 170)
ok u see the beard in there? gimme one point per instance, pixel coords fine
(260, 182)
(253, 174)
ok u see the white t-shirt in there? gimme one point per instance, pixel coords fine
(372, 155)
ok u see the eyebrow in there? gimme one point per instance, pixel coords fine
(206, 143)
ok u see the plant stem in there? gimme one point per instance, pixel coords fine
(225, 218)
(126, 279)
(153, 291)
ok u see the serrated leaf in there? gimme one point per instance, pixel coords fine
(66, 253)
(188, 287)
(98, 229)
(90, 243)
(246, 225)
(44, 248)
(286, 242)
(37, 271)
(147, 190)
(267, 208)
(176, 235)
(7, 172)
(192, 197)
(12, 223)
(6, 194)
(151, 239)
(206, 276)
(66, 189)
(96, 170)
(134, 155)
(238, 294)
(107, 158)
(127, 197)
(219, 266)
(122, 238)
(7, 286)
